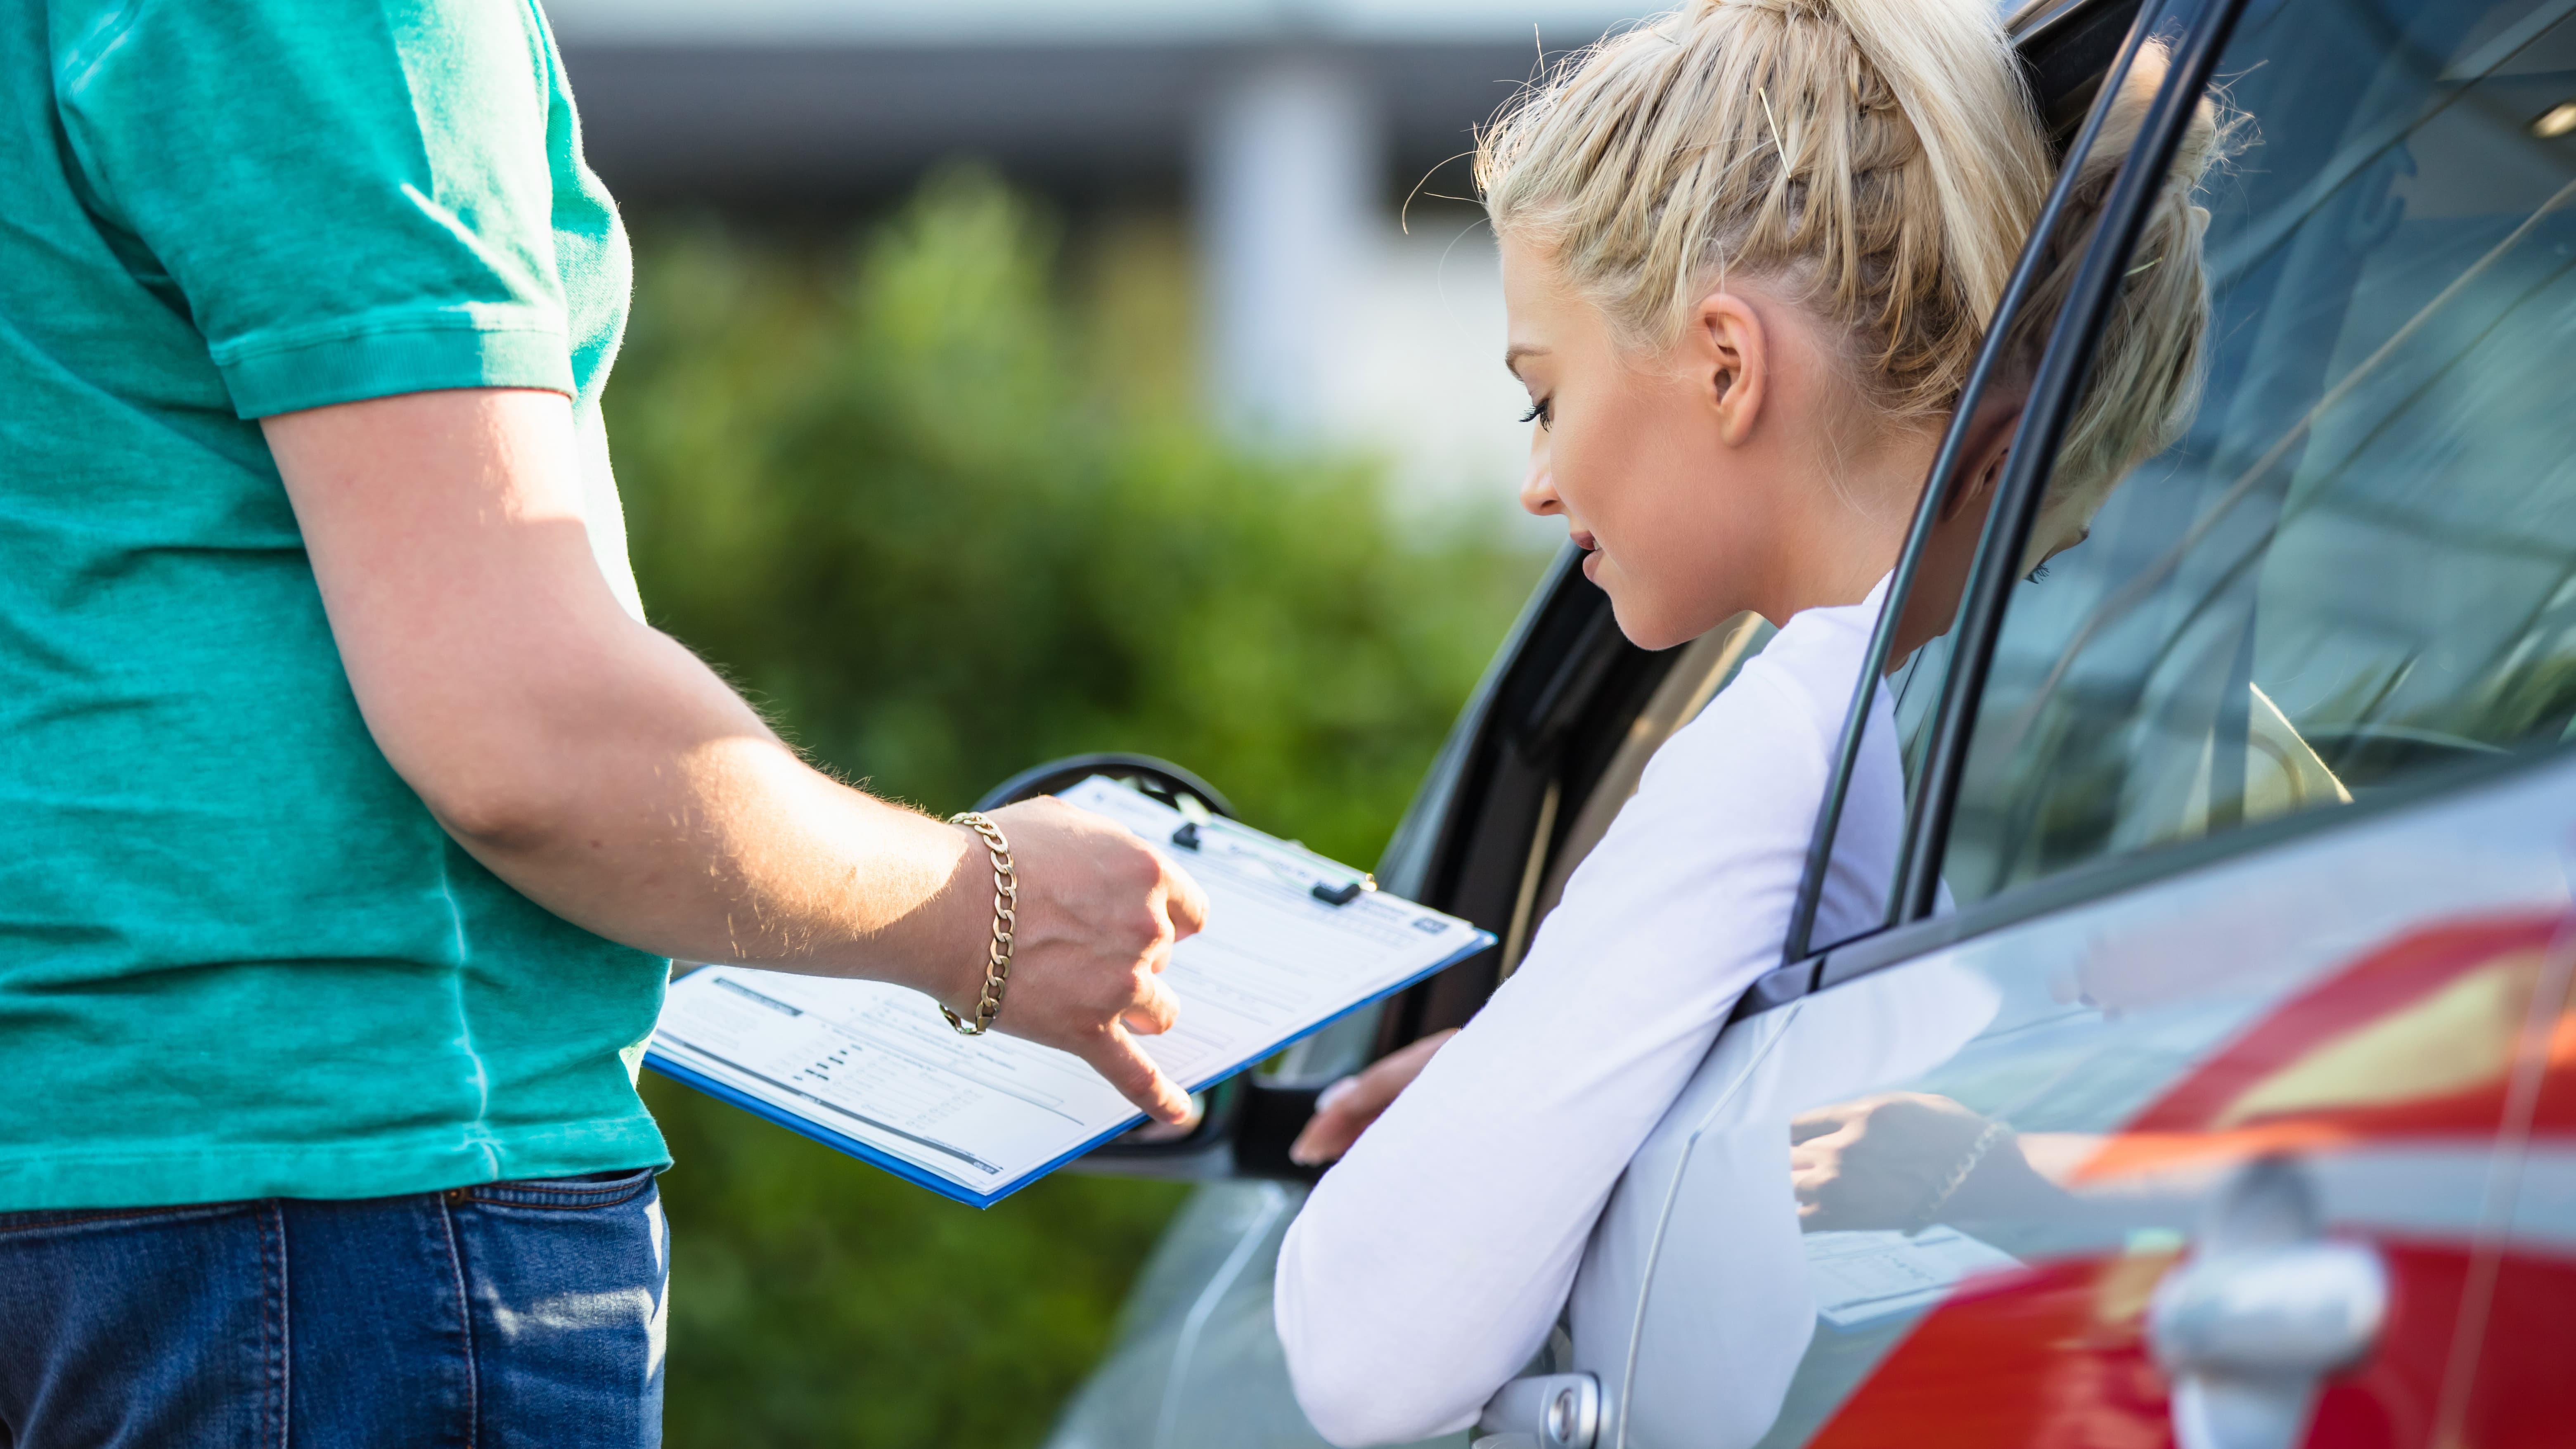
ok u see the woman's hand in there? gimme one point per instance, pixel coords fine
(1345, 1109)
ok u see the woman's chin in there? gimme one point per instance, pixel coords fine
(1656, 623)
(1643, 628)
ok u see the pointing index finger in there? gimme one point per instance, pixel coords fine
(1125, 1065)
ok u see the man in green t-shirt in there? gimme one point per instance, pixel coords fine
(352, 810)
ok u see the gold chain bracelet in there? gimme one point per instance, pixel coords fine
(1948, 1187)
(997, 956)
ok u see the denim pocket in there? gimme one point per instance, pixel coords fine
(598, 1190)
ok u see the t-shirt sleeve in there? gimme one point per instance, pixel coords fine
(352, 198)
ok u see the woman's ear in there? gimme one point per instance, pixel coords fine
(1991, 431)
(1726, 348)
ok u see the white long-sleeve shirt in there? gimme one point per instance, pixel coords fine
(1430, 1263)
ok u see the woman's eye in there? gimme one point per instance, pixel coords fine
(1541, 412)
(2037, 574)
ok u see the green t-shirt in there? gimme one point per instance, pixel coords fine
(237, 956)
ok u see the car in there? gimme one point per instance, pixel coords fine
(2211, 1079)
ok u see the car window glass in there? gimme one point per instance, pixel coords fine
(2358, 564)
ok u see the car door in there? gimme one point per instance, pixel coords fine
(2208, 1082)
(2516, 1331)
(2030, 1131)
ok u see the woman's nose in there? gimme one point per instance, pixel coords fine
(1538, 486)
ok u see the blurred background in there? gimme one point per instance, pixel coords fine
(1008, 380)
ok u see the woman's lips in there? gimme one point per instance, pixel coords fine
(1591, 554)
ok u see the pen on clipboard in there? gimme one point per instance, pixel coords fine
(1194, 835)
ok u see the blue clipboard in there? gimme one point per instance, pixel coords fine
(808, 1127)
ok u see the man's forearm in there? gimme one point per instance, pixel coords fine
(589, 760)
(662, 813)
(605, 772)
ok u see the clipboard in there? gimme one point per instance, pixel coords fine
(1294, 943)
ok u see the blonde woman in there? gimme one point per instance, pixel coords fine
(1750, 250)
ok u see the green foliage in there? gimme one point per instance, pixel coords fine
(817, 1301)
(944, 508)
(944, 525)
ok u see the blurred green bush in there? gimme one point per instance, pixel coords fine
(944, 506)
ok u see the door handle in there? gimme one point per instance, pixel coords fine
(2264, 1310)
(1543, 1411)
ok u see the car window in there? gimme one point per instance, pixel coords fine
(2358, 564)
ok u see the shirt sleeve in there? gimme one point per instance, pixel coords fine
(352, 199)
(1428, 1265)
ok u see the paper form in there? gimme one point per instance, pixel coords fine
(874, 1070)
(1861, 1278)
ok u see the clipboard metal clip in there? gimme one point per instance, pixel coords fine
(1189, 836)
(1345, 893)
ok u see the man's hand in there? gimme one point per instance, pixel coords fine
(1099, 911)
(1345, 1109)
(1887, 1161)
(1875, 1162)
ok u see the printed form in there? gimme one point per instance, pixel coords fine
(1864, 1277)
(874, 1070)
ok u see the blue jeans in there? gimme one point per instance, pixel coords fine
(513, 1314)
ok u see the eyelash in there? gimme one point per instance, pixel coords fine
(1540, 413)
(2037, 574)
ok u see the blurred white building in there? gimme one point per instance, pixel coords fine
(1290, 130)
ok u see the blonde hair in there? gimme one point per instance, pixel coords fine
(2151, 357)
(1881, 161)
